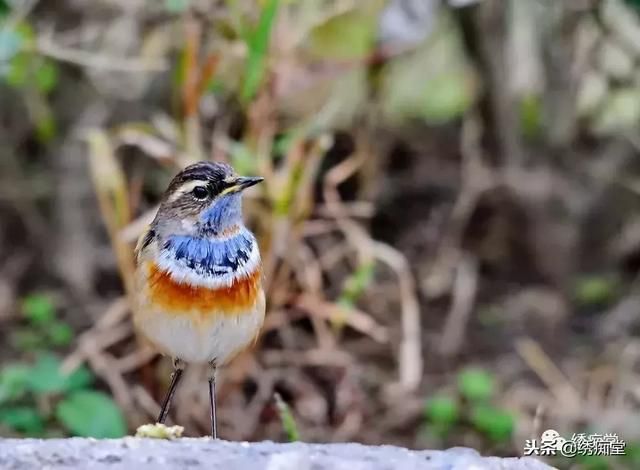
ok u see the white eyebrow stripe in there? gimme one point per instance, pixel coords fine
(186, 188)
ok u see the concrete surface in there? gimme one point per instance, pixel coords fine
(195, 454)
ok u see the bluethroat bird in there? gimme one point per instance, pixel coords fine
(199, 294)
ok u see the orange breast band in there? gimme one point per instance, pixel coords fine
(177, 298)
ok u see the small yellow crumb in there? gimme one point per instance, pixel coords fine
(159, 431)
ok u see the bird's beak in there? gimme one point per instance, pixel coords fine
(242, 182)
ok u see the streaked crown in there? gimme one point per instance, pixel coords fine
(205, 196)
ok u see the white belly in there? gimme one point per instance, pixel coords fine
(217, 339)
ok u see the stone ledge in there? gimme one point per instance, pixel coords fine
(194, 454)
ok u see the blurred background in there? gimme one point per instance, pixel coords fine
(449, 222)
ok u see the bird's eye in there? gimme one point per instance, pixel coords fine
(200, 192)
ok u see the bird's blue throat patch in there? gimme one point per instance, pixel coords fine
(211, 257)
(225, 212)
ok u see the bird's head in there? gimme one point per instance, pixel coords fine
(204, 200)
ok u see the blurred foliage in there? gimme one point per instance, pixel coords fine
(25, 70)
(281, 88)
(354, 286)
(42, 329)
(434, 83)
(258, 45)
(595, 291)
(92, 414)
(476, 385)
(531, 116)
(286, 419)
(28, 390)
(471, 406)
(348, 36)
(442, 412)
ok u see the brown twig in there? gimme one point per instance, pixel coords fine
(534, 356)
(464, 294)
(355, 318)
(410, 363)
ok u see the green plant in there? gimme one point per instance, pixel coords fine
(442, 413)
(24, 69)
(472, 405)
(43, 329)
(442, 409)
(531, 116)
(38, 397)
(356, 284)
(105, 417)
(595, 290)
(353, 288)
(29, 393)
(493, 422)
(286, 418)
(476, 385)
(23, 418)
(258, 45)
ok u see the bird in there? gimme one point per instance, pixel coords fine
(199, 296)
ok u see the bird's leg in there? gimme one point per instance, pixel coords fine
(212, 400)
(176, 375)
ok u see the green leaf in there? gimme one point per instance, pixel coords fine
(22, 418)
(13, 381)
(357, 283)
(496, 424)
(476, 384)
(26, 32)
(47, 76)
(89, 413)
(60, 334)
(287, 420)
(18, 71)
(595, 290)
(442, 410)
(258, 44)
(79, 378)
(347, 36)
(38, 309)
(46, 127)
(531, 116)
(46, 376)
